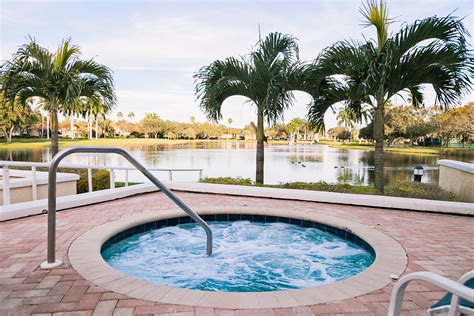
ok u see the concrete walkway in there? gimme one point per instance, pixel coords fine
(435, 242)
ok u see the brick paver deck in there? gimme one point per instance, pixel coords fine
(442, 244)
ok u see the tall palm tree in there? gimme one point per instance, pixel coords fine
(96, 98)
(263, 77)
(57, 79)
(432, 51)
(345, 117)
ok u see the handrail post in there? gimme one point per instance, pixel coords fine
(112, 179)
(52, 262)
(34, 184)
(6, 185)
(170, 175)
(89, 180)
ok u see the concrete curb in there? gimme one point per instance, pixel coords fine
(405, 204)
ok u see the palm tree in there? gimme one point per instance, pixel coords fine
(97, 98)
(57, 79)
(229, 121)
(294, 127)
(263, 77)
(432, 51)
(131, 115)
(345, 117)
(93, 109)
(348, 118)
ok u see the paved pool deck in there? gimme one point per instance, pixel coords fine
(439, 243)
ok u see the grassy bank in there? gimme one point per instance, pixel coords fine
(31, 143)
(403, 189)
(406, 150)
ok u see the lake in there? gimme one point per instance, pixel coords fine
(283, 163)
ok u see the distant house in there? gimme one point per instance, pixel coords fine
(71, 134)
(120, 132)
(226, 136)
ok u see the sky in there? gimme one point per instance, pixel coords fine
(155, 47)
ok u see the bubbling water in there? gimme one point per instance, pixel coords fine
(247, 257)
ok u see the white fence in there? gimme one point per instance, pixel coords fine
(5, 166)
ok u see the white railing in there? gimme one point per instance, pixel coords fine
(5, 166)
(458, 290)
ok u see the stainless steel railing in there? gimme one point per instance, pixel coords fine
(51, 262)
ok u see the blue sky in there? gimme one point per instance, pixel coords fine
(154, 47)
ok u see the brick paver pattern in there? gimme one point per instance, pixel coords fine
(439, 243)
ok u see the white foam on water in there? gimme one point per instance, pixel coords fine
(247, 256)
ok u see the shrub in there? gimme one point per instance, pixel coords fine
(100, 179)
(228, 180)
(407, 189)
(328, 187)
(419, 190)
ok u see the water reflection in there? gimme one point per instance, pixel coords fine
(282, 162)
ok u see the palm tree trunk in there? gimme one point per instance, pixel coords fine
(10, 135)
(6, 134)
(42, 126)
(378, 138)
(89, 125)
(54, 130)
(72, 126)
(259, 175)
(48, 125)
(96, 128)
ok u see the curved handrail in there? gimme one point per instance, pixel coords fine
(51, 262)
(449, 285)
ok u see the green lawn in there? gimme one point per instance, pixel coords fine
(24, 143)
(406, 150)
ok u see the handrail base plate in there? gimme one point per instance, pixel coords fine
(47, 266)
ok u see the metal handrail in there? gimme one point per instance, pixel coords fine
(457, 289)
(51, 262)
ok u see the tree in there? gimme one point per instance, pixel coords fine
(15, 117)
(93, 109)
(131, 115)
(457, 122)
(432, 51)
(406, 122)
(345, 118)
(57, 79)
(367, 132)
(264, 77)
(294, 127)
(152, 124)
(189, 133)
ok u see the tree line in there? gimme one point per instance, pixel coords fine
(429, 126)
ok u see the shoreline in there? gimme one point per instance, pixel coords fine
(31, 143)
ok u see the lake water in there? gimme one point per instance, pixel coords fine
(283, 163)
